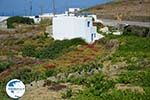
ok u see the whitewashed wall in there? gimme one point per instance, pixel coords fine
(68, 27)
(2, 18)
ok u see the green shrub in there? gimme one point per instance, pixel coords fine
(77, 80)
(96, 87)
(18, 20)
(46, 35)
(27, 75)
(50, 72)
(29, 50)
(4, 65)
(68, 94)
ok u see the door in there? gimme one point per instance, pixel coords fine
(92, 37)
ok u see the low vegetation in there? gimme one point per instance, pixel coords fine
(53, 50)
(129, 64)
(135, 51)
(68, 94)
(18, 20)
(4, 66)
(46, 21)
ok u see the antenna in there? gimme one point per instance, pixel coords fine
(53, 5)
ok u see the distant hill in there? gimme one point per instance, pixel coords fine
(135, 10)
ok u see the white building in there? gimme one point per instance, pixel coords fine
(3, 18)
(46, 15)
(68, 27)
(36, 19)
(72, 10)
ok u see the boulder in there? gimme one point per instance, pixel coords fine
(105, 30)
(117, 33)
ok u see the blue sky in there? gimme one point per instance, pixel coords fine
(22, 7)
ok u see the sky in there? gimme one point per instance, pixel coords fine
(22, 7)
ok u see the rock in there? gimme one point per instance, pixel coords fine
(105, 30)
(117, 33)
(96, 71)
(134, 59)
(76, 74)
(61, 76)
(57, 87)
(53, 79)
(90, 72)
(81, 73)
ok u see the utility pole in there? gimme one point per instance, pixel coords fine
(13, 13)
(25, 11)
(41, 8)
(67, 7)
(53, 5)
(30, 7)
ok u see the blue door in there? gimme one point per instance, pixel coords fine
(92, 37)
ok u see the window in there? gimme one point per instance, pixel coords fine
(88, 24)
(94, 35)
(36, 16)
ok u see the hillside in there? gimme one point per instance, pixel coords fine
(112, 68)
(134, 10)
